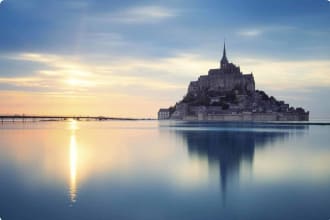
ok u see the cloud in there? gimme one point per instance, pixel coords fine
(156, 81)
(63, 73)
(258, 31)
(58, 73)
(250, 33)
(169, 73)
(288, 75)
(140, 14)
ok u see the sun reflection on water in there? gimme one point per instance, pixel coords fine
(73, 162)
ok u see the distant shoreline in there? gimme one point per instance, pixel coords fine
(49, 118)
(32, 118)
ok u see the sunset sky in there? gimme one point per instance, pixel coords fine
(129, 58)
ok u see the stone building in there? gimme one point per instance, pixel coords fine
(163, 114)
(226, 78)
(226, 94)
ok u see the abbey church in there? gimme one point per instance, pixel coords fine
(225, 79)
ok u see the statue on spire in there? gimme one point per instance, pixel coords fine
(224, 61)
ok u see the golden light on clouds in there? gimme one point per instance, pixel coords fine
(279, 75)
(120, 87)
(78, 82)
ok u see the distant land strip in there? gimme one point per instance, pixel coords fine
(36, 118)
(63, 118)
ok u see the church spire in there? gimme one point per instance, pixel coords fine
(224, 50)
(224, 60)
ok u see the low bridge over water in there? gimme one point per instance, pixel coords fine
(23, 118)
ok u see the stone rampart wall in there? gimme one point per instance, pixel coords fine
(249, 117)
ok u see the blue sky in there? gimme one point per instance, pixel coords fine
(128, 58)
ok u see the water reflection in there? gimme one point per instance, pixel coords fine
(73, 162)
(231, 150)
(171, 172)
(73, 169)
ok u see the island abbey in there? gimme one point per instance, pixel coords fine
(226, 94)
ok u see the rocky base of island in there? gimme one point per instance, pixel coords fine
(235, 107)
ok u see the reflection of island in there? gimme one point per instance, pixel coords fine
(228, 148)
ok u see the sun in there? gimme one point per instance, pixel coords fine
(78, 82)
(73, 81)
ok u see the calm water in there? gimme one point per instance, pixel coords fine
(152, 170)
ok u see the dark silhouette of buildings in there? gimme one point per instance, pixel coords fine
(226, 94)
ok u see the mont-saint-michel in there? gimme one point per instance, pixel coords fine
(226, 94)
